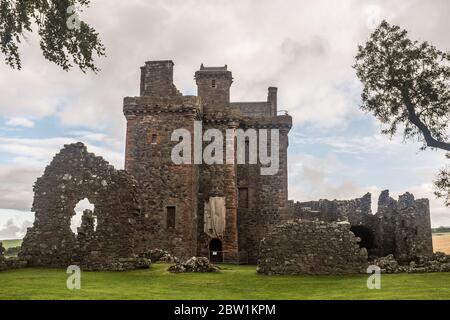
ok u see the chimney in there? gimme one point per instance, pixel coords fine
(272, 98)
(157, 78)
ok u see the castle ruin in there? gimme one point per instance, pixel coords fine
(219, 211)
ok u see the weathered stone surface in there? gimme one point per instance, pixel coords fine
(159, 255)
(2, 258)
(437, 262)
(387, 264)
(401, 228)
(311, 247)
(194, 264)
(75, 174)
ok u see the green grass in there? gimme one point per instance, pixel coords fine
(236, 282)
(11, 243)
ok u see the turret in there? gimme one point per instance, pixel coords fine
(213, 86)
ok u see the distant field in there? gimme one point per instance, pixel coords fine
(11, 243)
(441, 242)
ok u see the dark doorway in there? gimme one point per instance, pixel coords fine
(366, 235)
(215, 251)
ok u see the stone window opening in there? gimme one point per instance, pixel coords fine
(213, 83)
(247, 150)
(77, 217)
(154, 138)
(170, 217)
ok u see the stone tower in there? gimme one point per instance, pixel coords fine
(217, 210)
(168, 191)
(218, 182)
(213, 84)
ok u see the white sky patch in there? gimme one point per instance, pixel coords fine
(75, 222)
(19, 122)
(14, 223)
(373, 16)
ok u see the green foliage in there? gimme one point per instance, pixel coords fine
(237, 282)
(65, 40)
(406, 85)
(440, 230)
(12, 252)
(442, 184)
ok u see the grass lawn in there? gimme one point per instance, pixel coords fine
(11, 243)
(236, 282)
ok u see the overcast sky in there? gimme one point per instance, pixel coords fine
(305, 48)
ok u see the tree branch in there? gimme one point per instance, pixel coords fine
(412, 116)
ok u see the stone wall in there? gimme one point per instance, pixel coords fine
(162, 183)
(311, 247)
(75, 174)
(3, 265)
(401, 228)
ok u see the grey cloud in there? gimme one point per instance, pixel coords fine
(16, 187)
(12, 231)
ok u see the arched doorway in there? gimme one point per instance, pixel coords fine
(366, 235)
(215, 251)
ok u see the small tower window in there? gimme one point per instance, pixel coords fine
(247, 151)
(213, 83)
(243, 197)
(170, 219)
(154, 138)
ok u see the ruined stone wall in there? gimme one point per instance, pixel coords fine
(406, 226)
(75, 174)
(355, 211)
(401, 228)
(3, 265)
(311, 247)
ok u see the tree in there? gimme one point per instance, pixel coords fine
(406, 85)
(64, 38)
